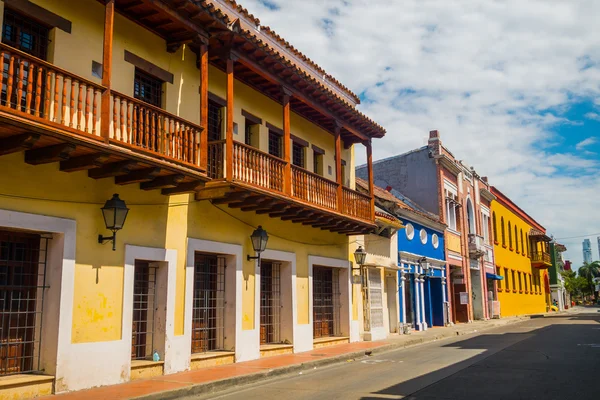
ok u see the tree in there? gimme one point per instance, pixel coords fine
(589, 272)
(575, 285)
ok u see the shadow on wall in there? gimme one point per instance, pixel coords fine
(520, 371)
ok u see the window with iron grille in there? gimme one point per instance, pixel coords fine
(208, 312)
(147, 88)
(215, 121)
(298, 155)
(25, 34)
(326, 302)
(144, 304)
(22, 283)
(270, 302)
(275, 144)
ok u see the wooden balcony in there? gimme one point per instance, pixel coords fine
(258, 184)
(56, 116)
(541, 260)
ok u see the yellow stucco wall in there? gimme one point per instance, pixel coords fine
(155, 220)
(513, 301)
(453, 242)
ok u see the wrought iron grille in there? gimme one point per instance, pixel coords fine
(274, 144)
(270, 302)
(147, 88)
(215, 121)
(23, 259)
(326, 302)
(25, 34)
(298, 154)
(208, 315)
(144, 305)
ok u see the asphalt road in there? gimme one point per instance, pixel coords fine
(544, 358)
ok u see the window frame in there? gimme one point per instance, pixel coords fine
(298, 150)
(33, 24)
(155, 84)
(275, 137)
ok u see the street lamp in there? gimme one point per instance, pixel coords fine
(114, 212)
(360, 255)
(259, 242)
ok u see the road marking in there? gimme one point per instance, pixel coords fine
(593, 345)
(378, 361)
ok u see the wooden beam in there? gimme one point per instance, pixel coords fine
(204, 106)
(167, 10)
(265, 204)
(299, 216)
(321, 220)
(137, 176)
(132, 5)
(370, 177)
(13, 144)
(290, 211)
(213, 194)
(232, 197)
(275, 208)
(112, 169)
(160, 182)
(338, 165)
(107, 53)
(49, 154)
(246, 202)
(229, 123)
(186, 187)
(287, 169)
(85, 162)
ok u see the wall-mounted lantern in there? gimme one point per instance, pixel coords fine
(114, 212)
(259, 242)
(360, 255)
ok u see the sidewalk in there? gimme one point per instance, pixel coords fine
(214, 379)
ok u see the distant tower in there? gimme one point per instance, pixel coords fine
(587, 251)
(598, 239)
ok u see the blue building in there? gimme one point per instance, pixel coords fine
(421, 258)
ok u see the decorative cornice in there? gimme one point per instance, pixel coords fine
(486, 194)
(447, 163)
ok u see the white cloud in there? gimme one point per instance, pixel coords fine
(484, 73)
(586, 142)
(592, 115)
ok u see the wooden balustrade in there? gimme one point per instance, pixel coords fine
(37, 88)
(540, 257)
(313, 188)
(152, 129)
(356, 204)
(257, 168)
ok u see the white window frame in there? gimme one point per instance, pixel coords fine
(451, 217)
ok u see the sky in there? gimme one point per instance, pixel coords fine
(513, 87)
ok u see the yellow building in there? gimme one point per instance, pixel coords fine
(207, 125)
(522, 259)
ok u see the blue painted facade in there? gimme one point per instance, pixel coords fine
(423, 297)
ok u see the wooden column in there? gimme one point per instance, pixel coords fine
(287, 139)
(338, 164)
(203, 161)
(229, 125)
(109, 22)
(370, 173)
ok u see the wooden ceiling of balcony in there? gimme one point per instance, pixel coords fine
(41, 146)
(184, 22)
(247, 198)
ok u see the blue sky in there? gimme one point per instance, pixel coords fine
(513, 86)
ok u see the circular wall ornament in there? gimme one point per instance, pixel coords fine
(410, 231)
(435, 241)
(423, 235)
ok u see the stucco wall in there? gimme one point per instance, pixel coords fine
(414, 174)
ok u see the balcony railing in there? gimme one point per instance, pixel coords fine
(260, 169)
(44, 92)
(476, 245)
(313, 188)
(540, 257)
(153, 130)
(356, 204)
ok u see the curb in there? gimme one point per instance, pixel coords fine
(227, 383)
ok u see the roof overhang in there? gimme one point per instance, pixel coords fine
(487, 195)
(449, 164)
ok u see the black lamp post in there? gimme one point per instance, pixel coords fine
(259, 242)
(360, 255)
(114, 212)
